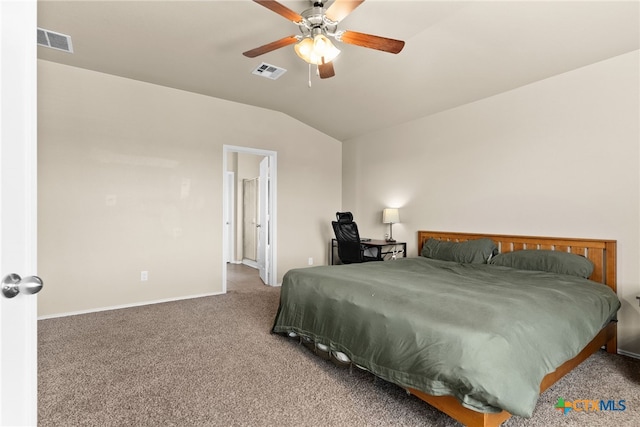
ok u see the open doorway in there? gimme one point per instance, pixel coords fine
(262, 224)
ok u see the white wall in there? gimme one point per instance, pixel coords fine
(130, 179)
(558, 157)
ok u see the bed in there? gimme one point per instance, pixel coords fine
(474, 339)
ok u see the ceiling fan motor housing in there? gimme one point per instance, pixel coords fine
(314, 19)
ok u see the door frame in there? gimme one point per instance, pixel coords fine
(272, 249)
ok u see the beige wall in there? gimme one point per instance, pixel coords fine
(130, 179)
(558, 157)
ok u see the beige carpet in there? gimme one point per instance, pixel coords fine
(213, 362)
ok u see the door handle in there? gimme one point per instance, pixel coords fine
(13, 284)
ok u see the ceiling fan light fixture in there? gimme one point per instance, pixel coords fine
(317, 51)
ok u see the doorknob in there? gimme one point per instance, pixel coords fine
(13, 284)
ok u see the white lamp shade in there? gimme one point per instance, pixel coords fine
(390, 216)
(316, 51)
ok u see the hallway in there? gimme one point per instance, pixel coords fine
(242, 278)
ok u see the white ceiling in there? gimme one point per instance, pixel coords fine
(456, 52)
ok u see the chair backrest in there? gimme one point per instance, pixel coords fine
(348, 238)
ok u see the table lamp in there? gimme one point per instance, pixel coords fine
(390, 216)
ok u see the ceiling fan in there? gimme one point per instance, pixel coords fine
(317, 24)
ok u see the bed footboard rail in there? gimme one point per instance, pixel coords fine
(470, 418)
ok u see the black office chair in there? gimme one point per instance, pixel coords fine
(350, 249)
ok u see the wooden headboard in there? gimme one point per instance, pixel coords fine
(601, 252)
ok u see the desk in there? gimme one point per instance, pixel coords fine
(387, 249)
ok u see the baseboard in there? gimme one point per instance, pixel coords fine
(250, 263)
(118, 307)
(629, 354)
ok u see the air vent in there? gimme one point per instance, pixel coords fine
(269, 71)
(54, 40)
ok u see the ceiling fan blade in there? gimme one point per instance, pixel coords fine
(326, 70)
(280, 9)
(341, 8)
(286, 41)
(372, 42)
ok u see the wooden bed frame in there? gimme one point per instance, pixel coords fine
(603, 255)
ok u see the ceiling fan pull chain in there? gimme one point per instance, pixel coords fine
(309, 75)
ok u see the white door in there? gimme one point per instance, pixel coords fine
(229, 220)
(250, 221)
(18, 336)
(263, 221)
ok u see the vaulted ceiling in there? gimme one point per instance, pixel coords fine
(456, 52)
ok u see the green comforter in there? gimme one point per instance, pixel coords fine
(484, 334)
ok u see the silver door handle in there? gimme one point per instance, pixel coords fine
(13, 284)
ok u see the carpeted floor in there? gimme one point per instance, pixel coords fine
(213, 362)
